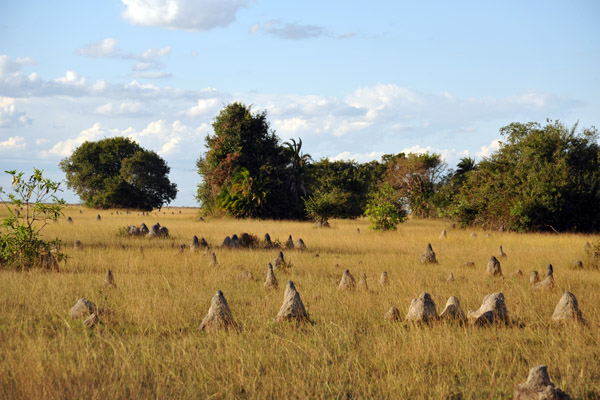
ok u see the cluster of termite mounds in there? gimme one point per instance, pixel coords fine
(155, 230)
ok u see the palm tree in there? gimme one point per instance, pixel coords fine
(296, 168)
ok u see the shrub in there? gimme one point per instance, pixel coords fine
(20, 244)
(384, 210)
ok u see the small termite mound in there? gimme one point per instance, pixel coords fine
(347, 282)
(501, 252)
(212, 262)
(195, 244)
(383, 279)
(300, 245)
(279, 262)
(450, 278)
(292, 308)
(83, 309)
(271, 280)
(393, 314)
(422, 309)
(548, 282)
(492, 310)
(443, 234)
(428, 257)
(567, 310)
(219, 315)
(538, 387)
(289, 244)
(493, 267)
(362, 283)
(109, 280)
(453, 311)
(534, 277)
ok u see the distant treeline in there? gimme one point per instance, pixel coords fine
(540, 178)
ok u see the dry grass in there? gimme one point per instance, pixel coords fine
(151, 347)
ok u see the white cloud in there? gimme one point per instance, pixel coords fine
(65, 148)
(358, 157)
(71, 78)
(486, 151)
(290, 125)
(189, 15)
(203, 107)
(126, 108)
(13, 144)
(10, 117)
(105, 48)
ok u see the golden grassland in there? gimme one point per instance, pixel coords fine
(150, 346)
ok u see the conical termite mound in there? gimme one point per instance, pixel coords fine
(279, 261)
(429, 256)
(195, 244)
(534, 277)
(289, 244)
(443, 234)
(300, 245)
(393, 314)
(362, 283)
(83, 309)
(493, 267)
(492, 310)
(450, 278)
(271, 280)
(567, 309)
(109, 280)
(548, 282)
(347, 282)
(219, 315)
(292, 308)
(453, 311)
(422, 309)
(538, 387)
(501, 252)
(212, 262)
(383, 279)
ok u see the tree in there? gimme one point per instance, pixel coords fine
(416, 178)
(384, 210)
(117, 172)
(541, 178)
(244, 169)
(21, 246)
(296, 169)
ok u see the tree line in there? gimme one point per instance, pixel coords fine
(542, 178)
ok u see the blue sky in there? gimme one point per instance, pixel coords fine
(354, 80)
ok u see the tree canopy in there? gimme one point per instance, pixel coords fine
(117, 172)
(541, 178)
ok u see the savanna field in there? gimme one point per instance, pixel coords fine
(148, 344)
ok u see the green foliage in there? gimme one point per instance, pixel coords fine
(324, 205)
(541, 178)
(245, 170)
(341, 188)
(417, 179)
(384, 210)
(117, 172)
(20, 244)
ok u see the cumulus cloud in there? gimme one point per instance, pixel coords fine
(65, 148)
(125, 108)
(486, 151)
(10, 117)
(358, 157)
(13, 144)
(189, 15)
(203, 107)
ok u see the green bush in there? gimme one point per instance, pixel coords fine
(20, 244)
(384, 210)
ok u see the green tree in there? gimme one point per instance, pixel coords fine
(117, 172)
(541, 178)
(243, 149)
(21, 246)
(384, 210)
(417, 178)
(296, 169)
